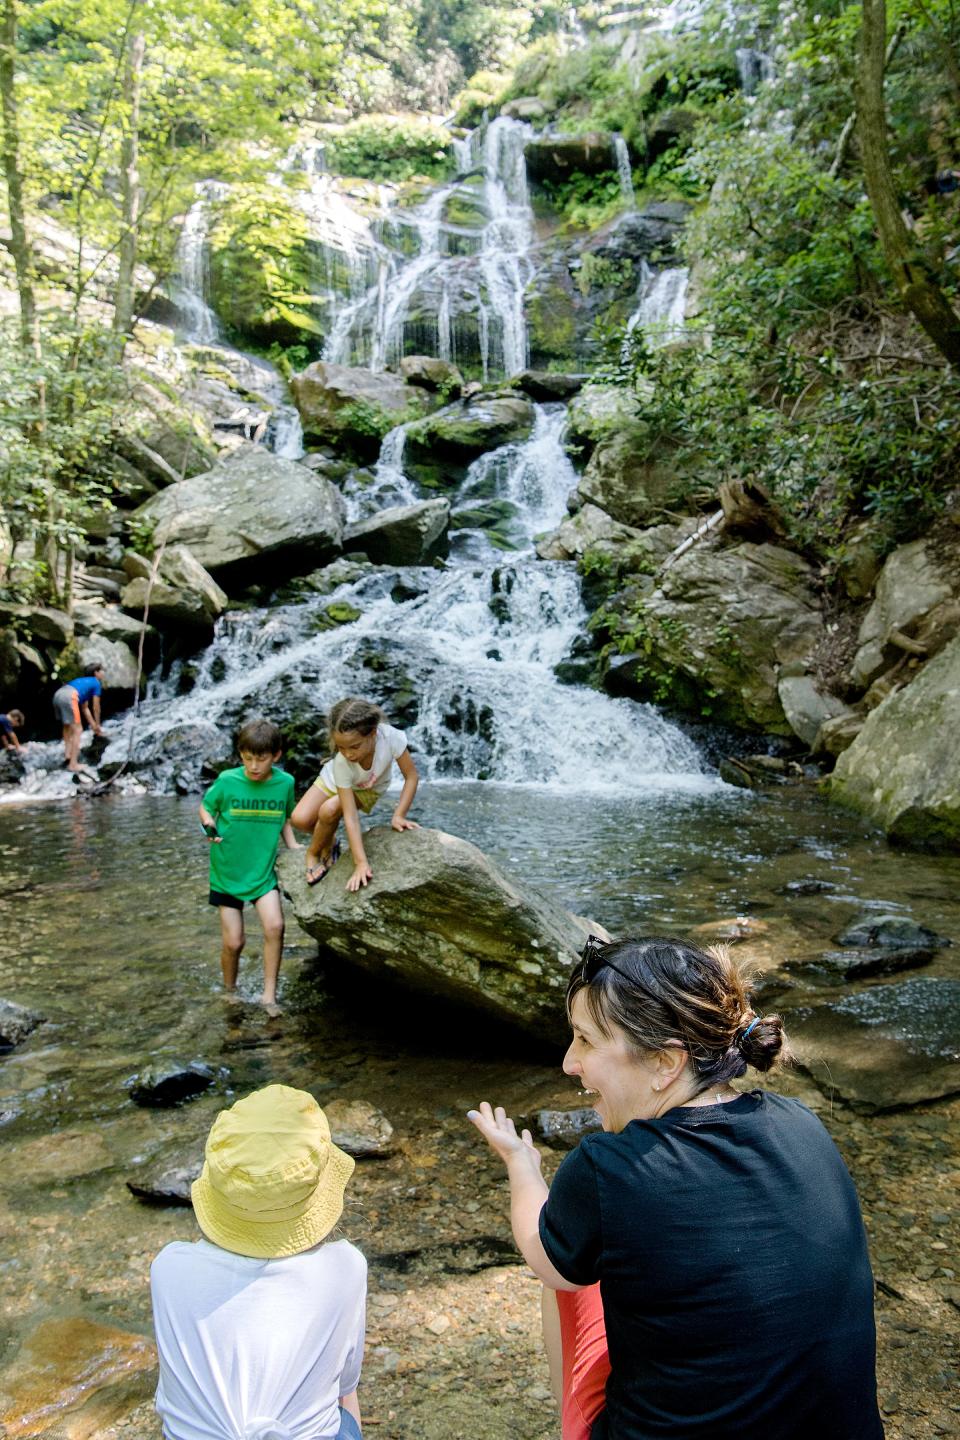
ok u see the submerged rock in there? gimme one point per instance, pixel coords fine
(836, 967)
(16, 1023)
(74, 1377)
(892, 932)
(359, 1128)
(566, 1128)
(893, 1045)
(167, 1180)
(403, 534)
(253, 511)
(439, 917)
(170, 1084)
(903, 769)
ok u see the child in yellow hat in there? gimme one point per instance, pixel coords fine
(260, 1324)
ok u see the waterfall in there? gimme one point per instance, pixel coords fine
(459, 294)
(754, 67)
(661, 308)
(476, 643)
(191, 284)
(622, 157)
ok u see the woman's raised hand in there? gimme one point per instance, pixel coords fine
(500, 1133)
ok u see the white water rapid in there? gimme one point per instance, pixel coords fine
(621, 155)
(661, 304)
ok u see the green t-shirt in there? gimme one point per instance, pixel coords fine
(250, 815)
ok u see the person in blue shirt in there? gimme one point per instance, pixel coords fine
(9, 725)
(75, 702)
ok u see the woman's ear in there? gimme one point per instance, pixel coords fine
(670, 1064)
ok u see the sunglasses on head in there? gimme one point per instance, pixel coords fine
(593, 959)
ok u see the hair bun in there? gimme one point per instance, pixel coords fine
(760, 1041)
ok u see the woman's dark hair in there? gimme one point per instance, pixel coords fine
(354, 714)
(260, 737)
(661, 991)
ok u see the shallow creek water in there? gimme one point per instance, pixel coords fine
(106, 932)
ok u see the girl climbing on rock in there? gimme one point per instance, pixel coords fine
(352, 780)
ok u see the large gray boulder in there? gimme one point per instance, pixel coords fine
(903, 769)
(183, 593)
(592, 536)
(722, 623)
(119, 662)
(252, 514)
(343, 405)
(440, 918)
(911, 585)
(403, 534)
(807, 706)
(632, 486)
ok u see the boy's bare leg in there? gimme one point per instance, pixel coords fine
(71, 746)
(550, 1316)
(231, 944)
(270, 910)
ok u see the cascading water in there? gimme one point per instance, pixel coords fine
(621, 155)
(460, 294)
(662, 302)
(476, 644)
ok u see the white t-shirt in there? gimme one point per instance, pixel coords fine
(256, 1349)
(342, 774)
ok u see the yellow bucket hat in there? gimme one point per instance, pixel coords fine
(272, 1182)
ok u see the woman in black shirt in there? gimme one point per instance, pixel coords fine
(722, 1226)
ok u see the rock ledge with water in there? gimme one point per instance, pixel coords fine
(439, 917)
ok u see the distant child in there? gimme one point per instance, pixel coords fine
(75, 702)
(359, 772)
(244, 813)
(9, 725)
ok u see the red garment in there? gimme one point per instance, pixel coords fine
(586, 1364)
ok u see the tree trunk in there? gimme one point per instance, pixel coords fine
(917, 288)
(130, 177)
(19, 241)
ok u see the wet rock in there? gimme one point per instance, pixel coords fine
(75, 1378)
(566, 1128)
(41, 624)
(402, 534)
(599, 411)
(886, 1047)
(807, 887)
(911, 584)
(547, 385)
(342, 405)
(168, 1179)
(455, 1257)
(170, 1084)
(12, 767)
(894, 932)
(557, 157)
(16, 1023)
(903, 769)
(439, 917)
(648, 234)
(432, 374)
(631, 486)
(254, 513)
(359, 1128)
(525, 107)
(836, 967)
(439, 449)
(184, 593)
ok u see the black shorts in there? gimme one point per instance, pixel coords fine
(220, 897)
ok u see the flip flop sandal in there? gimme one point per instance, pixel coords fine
(315, 873)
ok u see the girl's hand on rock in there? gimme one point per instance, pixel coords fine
(360, 876)
(400, 822)
(500, 1133)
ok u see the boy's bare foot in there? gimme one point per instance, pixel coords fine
(270, 1006)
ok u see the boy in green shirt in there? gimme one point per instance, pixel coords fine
(244, 813)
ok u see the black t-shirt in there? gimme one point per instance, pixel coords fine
(733, 1267)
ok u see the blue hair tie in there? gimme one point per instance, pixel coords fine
(753, 1022)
